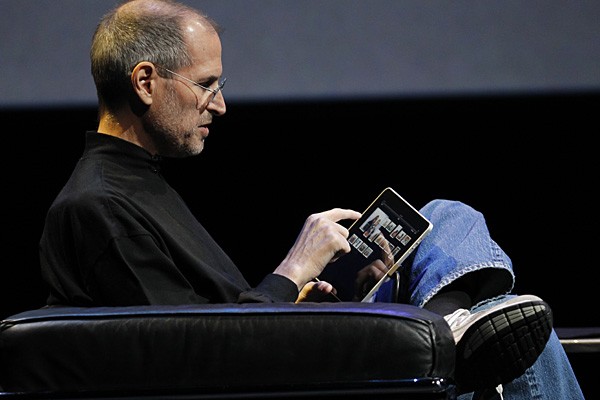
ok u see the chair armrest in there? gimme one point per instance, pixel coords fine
(221, 346)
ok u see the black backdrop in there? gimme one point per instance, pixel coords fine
(529, 163)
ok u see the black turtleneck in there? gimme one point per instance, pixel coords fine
(119, 234)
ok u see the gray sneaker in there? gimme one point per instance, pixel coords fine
(496, 345)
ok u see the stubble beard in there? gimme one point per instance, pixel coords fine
(167, 129)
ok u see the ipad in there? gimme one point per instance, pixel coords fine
(388, 231)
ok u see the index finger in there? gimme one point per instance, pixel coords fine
(338, 214)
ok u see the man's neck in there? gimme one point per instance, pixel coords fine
(128, 129)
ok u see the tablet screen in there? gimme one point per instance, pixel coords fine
(387, 232)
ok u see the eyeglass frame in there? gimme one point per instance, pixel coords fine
(213, 91)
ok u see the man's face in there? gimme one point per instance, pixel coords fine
(179, 118)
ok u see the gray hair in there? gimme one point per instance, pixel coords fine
(135, 31)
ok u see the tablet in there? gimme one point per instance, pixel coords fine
(388, 231)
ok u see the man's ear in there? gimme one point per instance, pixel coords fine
(143, 81)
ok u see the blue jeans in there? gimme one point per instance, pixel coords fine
(460, 244)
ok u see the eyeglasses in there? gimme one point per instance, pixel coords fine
(213, 91)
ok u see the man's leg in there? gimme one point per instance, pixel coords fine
(459, 256)
(549, 378)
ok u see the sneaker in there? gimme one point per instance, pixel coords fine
(496, 345)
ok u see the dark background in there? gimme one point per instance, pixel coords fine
(528, 162)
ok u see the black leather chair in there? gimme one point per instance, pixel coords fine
(226, 351)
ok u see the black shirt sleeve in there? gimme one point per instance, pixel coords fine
(273, 288)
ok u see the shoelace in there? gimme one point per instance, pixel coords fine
(500, 389)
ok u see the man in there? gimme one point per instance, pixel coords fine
(118, 234)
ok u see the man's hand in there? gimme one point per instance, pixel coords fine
(316, 291)
(321, 241)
